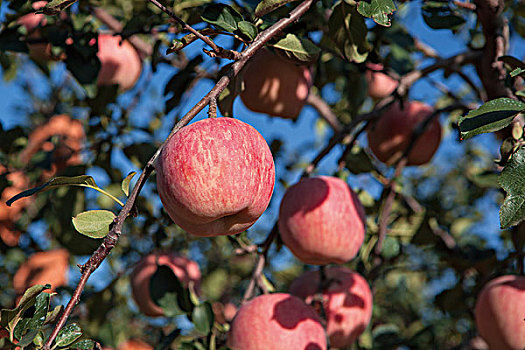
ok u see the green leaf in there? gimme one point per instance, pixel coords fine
(379, 10)
(53, 315)
(439, 15)
(358, 161)
(126, 181)
(94, 223)
(82, 181)
(165, 287)
(85, 344)
(248, 29)
(492, 116)
(54, 7)
(298, 49)
(222, 16)
(512, 180)
(33, 320)
(203, 317)
(267, 6)
(68, 335)
(517, 71)
(347, 33)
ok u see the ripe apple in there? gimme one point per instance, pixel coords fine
(276, 321)
(70, 133)
(390, 136)
(347, 302)
(134, 344)
(322, 221)
(380, 85)
(185, 269)
(500, 310)
(215, 177)
(41, 268)
(20, 182)
(275, 86)
(9, 234)
(120, 63)
(41, 51)
(224, 313)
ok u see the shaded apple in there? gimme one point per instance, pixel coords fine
(500, 313)
(380, 85)
(276, 321)
(391, 135)
(275, 86)
(347, 302)
(322, 221)
(49, 267)
(215, 177)
(185, 269)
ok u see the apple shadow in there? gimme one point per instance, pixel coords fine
(318, 192)
(290, 312)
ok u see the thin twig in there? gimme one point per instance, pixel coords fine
(324, 110)
(112, 237)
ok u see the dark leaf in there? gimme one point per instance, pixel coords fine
(68, 335)
(203, 317)
(439, 15)
(267, 6)
(379, 10)
(222, 16)
(512, 180)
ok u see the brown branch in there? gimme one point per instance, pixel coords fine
(217, 50)
(324, 111)
(116, 228)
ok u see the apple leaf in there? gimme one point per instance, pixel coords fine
(267, 6)
(295, 48)
(222, 16)
(84, 344)
(379, 10)
(512, 62)
(82, 181)
(167, 291)
(439, 15)
(512, 180)
(126, 181)
(248, 29)
(54, 7)
(491, 116)
(34, 320)
(203, 317)
(347, 32)
(93, 223)
(68, 335)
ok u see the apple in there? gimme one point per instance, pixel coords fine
(215, 176)
(134, 344)
(9, 234)
(380, 85)
(275, 86)
(224, 313)
(500, 313)
(120, 62)
(347, 302)
(390, 136)
(41, 268)
(41, 51)
(276, 321)
(71, 136)
(322, 221)
(19, 182)
(185, 269)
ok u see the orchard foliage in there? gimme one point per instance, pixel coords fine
(72, 150)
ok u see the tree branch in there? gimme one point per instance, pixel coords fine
(116, 228)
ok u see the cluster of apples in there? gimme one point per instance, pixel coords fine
(120, 62)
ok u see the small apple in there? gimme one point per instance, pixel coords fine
(120, 63)
(185, 269)
(276, 321)
(380, 85)
(275, 86)
(215, 177)
(41, 268)
(322, 221)
(347, 302)
(391, 135)
(20, 182)
(9, 234)
(500, 313)
(224, 313)
(134, 344)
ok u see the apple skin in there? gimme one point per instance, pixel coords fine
(380, 85)
(134, 344)
(347, 302)
(276, 321)
(20, 183)
(500, 310)
(322, 221)
(39, 52)
(185, 269)
(120, 63)
(275, 86)
(215, 177)
(390, 136)
(41, 268)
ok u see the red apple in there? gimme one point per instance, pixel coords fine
(380, 85)
(390, 136)
(185, 269)
(19, 182)
(275, 86)
(41, 51)
(278, 322)
(41, 268)
(120, 63)
(500, 313)
(322, 221)
(347, 302)
(134, 344)
(215, 177)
